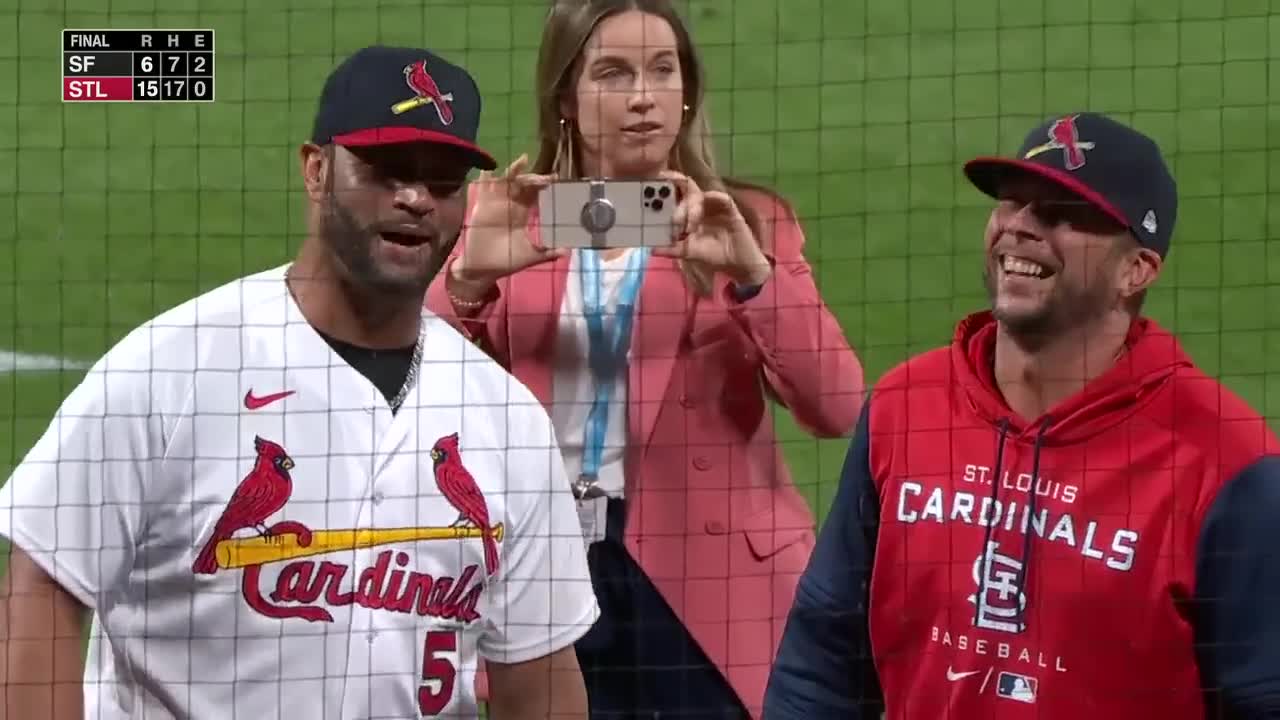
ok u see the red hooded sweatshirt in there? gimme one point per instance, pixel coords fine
(978, 565)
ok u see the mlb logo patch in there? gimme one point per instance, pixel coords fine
(1016, 687)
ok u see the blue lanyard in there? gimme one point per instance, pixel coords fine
(607, 352)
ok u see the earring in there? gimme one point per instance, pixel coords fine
(564, 150)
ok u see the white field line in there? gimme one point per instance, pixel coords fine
(16, 362)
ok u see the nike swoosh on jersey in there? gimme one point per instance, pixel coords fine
(954, 676)
(256, 402)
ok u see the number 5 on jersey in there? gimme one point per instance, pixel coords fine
(438, 672)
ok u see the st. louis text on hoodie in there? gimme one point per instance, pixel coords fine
(1115, 559)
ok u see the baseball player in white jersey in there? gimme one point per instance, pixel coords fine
(298, 496)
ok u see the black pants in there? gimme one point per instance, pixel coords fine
(638, 660)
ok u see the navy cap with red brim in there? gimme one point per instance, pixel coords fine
(988, 174)
(1110, 165)
(391, 95)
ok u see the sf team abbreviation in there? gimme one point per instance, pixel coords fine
(137, 66)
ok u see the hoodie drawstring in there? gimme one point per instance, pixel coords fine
(985, 559)
(1031, 514)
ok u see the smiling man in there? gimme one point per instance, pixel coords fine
(299, 494)
(1059, 516)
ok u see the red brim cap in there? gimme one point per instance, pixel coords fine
(399, 135)
(986, 173)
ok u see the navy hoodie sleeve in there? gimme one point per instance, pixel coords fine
(1237, 595)
(823, 668)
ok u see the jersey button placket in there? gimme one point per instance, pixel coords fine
(361, 648)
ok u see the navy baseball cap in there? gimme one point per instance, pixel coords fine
(1110, 165)
(389, 95)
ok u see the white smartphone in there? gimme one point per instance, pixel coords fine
(603, 214)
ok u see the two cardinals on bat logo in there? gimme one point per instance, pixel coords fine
(426, 92)
(1064, 136)
(266, 489)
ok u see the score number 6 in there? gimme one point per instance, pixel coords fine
(437, 670)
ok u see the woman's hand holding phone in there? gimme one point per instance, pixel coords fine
(497, 237)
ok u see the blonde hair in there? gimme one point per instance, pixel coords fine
(569, 26)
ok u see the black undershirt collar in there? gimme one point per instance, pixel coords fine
(386, 369)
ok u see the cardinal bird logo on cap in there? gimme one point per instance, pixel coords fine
(426, 92)
(1064, 136)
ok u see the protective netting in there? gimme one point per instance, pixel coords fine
(858, 111)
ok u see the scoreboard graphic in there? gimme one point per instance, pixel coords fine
(137, 66)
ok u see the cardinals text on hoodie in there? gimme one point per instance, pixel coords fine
(1111, 559)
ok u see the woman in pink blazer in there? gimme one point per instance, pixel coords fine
(655, 367)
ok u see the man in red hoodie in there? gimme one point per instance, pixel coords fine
(1059, 516)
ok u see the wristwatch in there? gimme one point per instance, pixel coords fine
(743, 293)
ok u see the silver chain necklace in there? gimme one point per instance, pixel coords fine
(411, 379)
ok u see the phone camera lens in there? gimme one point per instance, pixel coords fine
(664, 192)
(657, 205)
(648, 191)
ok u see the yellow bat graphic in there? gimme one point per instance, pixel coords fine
(405, 106)
(243, 552)
(1053, 146)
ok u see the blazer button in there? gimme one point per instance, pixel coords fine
(686, 401)
(701, 463)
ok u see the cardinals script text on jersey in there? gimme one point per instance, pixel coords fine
(304, 587)
(261, 536)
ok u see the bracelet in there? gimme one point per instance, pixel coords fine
(457, 301)
(464, 304)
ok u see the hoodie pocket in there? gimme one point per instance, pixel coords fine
(763, 535)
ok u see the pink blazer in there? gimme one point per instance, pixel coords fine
(713, 516)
